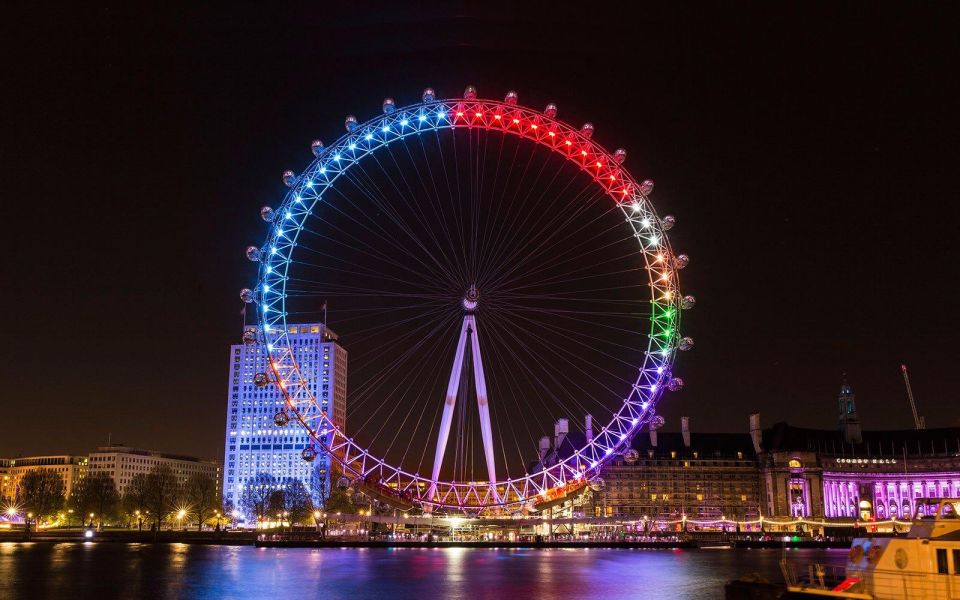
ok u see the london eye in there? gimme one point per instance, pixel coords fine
(504, 287)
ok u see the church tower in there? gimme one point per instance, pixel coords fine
(849, 421)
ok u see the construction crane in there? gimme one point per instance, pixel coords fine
(917, 420)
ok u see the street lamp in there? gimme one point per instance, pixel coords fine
(139, 520)
(180, 515)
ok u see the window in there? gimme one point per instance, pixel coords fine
(794, 463)
(956, 562)
(942, 561)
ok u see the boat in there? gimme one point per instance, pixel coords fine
(924, 565)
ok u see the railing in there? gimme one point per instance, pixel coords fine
(877, 583)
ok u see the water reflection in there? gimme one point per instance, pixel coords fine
(174, 571)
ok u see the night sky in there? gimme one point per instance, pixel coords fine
(807, 154)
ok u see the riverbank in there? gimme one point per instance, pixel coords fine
(300, 540)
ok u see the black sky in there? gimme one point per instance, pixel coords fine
(808, 152)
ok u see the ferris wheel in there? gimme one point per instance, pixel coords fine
(504, 288)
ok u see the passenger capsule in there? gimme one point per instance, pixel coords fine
(289, 178)
(428, 95)
(587, 130)
(657, 422)
(681, 261)
(247, 295)
(260, 380)
(388, 106)
(309, 453)
(551, 110)
(350, 123)
(668, 222)
(686, 343)
(675, 384)
(510, 98)
(267, 214)
(316, 146)
(597, 484)
(470, 93)
(620, 155)
(281, 418)
(688, 302)
(249, 335)
(253, 253)
(343, 482)
(646, 187)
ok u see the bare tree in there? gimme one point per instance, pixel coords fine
(42, 493)
(97, 494)
(200, 492)
(255, 498)
(162, 492)
(135, 497)
(296, 500)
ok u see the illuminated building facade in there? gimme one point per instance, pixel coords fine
(70, 468)
(671, 475)
(122, 463)
(854, 474)
(255, 442)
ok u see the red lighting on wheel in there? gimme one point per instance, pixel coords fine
(516, 120)
(479, 114)
(497, 117)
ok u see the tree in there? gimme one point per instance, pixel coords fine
(95, 494)
(255, 498)
(162, 492)
(200, 492)
(319, 486)
(42, 493)
(296, 500)
(135, 497)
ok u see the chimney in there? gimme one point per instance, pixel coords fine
(653, 434)
(589, 428)
(685, 430)
(755, 433)
(544, 447)
(560, 431)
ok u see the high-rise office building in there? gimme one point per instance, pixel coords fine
(254, 442)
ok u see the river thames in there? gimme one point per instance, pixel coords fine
(38, 571)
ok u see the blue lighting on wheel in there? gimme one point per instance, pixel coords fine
(324, 169)
(385, 129)
(273, 250)
(352, 146)
(309, 184)
(441, 115)
(368, 137)
(289, 215)
(423, 118)
(404, 123)
(336, 157)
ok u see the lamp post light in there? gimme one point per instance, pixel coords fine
(69, 517)
(139, 520)
(316, 519)
(180, 515)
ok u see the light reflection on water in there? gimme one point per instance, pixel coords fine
(111, 570)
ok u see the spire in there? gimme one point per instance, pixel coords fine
(849, 421)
